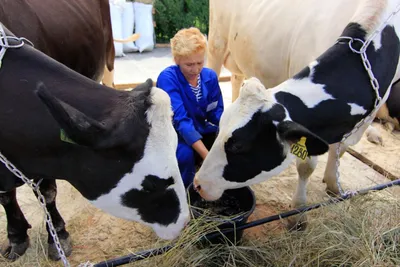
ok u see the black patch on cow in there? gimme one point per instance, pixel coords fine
(304, 73)
(354, 30)
(393, 102)
(276, 113)
(155, 202)
(253, 148)
(347, 81)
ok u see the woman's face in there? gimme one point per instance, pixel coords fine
(191, 65)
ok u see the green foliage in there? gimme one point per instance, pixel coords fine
(173, 15)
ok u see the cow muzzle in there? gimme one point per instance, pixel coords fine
(206, 190)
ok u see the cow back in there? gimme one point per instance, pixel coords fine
(74, 33)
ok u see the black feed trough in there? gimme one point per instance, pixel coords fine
(236, 205)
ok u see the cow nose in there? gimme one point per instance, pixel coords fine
(197, 188)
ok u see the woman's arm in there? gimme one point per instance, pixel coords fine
(200, 148)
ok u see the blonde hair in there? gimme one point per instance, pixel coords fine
(187, 42)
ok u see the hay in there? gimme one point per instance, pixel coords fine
(364, 231)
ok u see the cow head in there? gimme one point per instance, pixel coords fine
(253, 143)
(135, 145)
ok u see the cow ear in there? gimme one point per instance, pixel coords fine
(144, 87)
(78, 126)
(293, 132)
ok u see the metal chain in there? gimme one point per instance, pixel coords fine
(374, 83)
(4, 42)
(42, 202)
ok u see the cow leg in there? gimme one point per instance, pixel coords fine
(237, 81)
(48, 188)
(216, 50)
(17, 227)
(331, 169)
(304, 168)
(237, 77)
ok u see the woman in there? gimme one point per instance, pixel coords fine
(196, 99)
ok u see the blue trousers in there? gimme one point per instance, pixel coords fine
(189, 160)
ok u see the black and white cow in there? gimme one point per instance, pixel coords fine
(113, 151)
(321, 103)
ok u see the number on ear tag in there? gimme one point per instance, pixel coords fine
(299, 149)
(64, 137)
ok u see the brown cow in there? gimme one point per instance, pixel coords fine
(76, 33)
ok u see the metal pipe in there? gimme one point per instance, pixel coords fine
(158, 251)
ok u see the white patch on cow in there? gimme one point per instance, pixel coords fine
(253, 97)
(356, 109)
(312, 66)
(2, 192)
(159, 159)
(311, 94)
(377, 43)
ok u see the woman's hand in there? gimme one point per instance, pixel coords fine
(200, 148)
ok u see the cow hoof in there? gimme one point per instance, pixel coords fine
(14, 251)
(297, 223)
(65, 244)
(332, 192)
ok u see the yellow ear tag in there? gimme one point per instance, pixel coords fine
(299, 149)
(64, 137)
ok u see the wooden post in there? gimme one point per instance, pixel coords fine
(371, 164)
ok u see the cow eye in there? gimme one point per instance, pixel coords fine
(235, 146)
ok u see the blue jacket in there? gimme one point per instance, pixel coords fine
(191, 118)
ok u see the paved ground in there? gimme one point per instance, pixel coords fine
(137, 67)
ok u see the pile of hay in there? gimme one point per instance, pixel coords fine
(364, 231)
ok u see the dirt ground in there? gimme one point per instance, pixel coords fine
(97, 236)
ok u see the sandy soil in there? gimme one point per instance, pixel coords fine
(97, 236)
